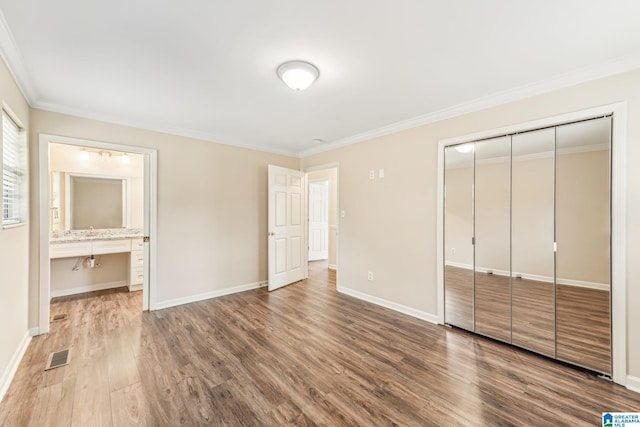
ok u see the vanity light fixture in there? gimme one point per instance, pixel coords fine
(104, 155)
(298, 75)
(464, 148)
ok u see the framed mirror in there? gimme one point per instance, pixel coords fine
(95, 201)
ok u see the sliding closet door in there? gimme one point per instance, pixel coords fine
(493, 238)
(583, 236)
(458, 232)
(532, 240)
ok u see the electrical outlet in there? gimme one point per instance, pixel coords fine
(453, 251)
(370, 276)
(372, 174)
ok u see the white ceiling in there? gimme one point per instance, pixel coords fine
(207, 68)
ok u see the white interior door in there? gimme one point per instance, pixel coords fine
(287, 237)
(318, 220)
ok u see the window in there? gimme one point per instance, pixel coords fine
(13, 172)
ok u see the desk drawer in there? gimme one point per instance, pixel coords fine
(111, 246)
(64, 250)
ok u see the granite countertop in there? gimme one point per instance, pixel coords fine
(88, 235)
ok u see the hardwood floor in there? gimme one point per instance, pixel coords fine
(303, 355)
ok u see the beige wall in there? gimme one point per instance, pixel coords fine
(212, 206)
(14, 255)
(390, 224)
(330, 175)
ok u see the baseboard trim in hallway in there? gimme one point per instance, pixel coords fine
(423, 315)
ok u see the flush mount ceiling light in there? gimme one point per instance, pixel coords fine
(464, 148)
(298, 75)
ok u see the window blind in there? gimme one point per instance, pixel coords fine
(13, 171)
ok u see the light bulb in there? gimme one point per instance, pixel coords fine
(84, 154)
(126, 159)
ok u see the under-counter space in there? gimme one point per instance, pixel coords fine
(79, 276)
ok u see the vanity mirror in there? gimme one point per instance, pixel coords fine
(84, 201)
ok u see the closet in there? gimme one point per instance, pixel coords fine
(527, 240)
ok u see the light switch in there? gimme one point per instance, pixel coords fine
(343, 213)
(372, 174)
(381, 173)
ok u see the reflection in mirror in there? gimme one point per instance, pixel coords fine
(583, 236)
(493, 237)
(532, 238)
(458, 231)
(96, 202)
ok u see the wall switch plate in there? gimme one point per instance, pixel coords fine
(370, 276)
(372, 174)
(381, 173)
(343, 213)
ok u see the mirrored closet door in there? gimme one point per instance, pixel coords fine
(532, 236)
(458, 224)
(527, 240)
(492, 238)
(583, 259)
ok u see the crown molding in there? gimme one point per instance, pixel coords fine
(594, 72)
(12, 58)
(156, 127)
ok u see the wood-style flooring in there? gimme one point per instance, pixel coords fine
(303, 355)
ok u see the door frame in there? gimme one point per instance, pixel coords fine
(324, 166)
(150, 178)
(618, 217)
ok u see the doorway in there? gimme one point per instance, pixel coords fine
(83, 250)
(323, 220)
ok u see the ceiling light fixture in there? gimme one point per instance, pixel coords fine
(298, 75)
(84, 154)
(125, 159)
(464, 148)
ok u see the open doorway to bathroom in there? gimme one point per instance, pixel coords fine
(97, 215)
(323, 222)
(96, 220)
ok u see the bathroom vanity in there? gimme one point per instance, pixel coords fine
(85, 245)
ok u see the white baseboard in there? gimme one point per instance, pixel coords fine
(208, 295)
(87, 288)
(333, 267)
(10, 371)
(431, 318)
(633, 383)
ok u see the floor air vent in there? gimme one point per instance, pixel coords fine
(62, 316)
(58, 358)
